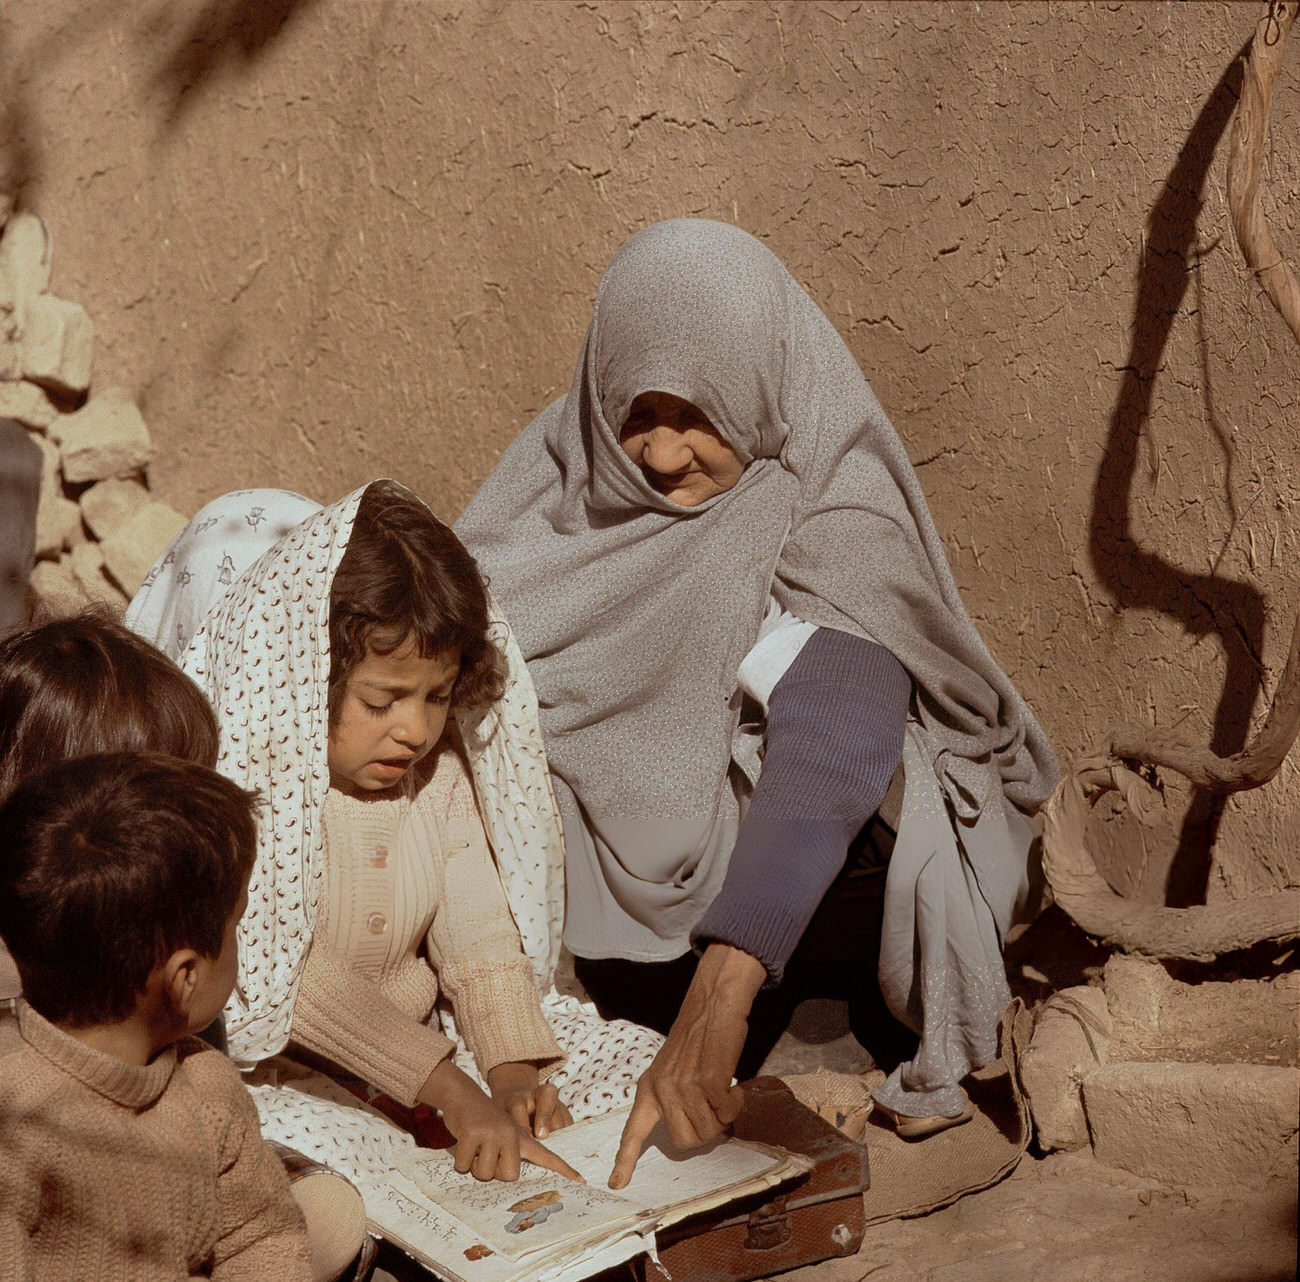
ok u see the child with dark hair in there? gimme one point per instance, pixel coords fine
(409, 892)
(129, 1149)
(84, 685)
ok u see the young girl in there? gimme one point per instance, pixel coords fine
(83, 685)
(363, 685)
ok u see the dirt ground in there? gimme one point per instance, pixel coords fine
(1059, 1218)
(1067, 1218)
(1064, 1217)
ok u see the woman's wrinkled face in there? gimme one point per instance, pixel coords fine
(394, 710)
(678, 450)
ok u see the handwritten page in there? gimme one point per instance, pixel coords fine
(543, 1211)
(667, 1176)
(544, 1228)
(399, 1209)
(538, 1212)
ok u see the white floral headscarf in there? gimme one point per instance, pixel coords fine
(262, 656)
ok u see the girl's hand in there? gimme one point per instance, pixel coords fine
(534, 1106)
(489, 1143)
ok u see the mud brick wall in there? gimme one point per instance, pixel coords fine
(323, 242)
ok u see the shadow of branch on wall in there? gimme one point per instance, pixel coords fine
(1204, 604)
(17, 155)
(225, 34)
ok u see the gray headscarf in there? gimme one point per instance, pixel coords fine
(634, 612)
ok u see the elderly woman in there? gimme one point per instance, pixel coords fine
(741, 626)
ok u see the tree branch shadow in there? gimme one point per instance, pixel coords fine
(1204, 604)
(226, 33)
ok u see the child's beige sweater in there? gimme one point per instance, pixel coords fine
(412, 904)
(123, 1173)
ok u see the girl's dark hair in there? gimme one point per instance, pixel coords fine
(405, 574)
(108, 865)
(86, 684)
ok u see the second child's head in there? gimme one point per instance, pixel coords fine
(408, 635)
(86, 684)
(122, 879)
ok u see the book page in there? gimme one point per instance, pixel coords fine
(537, 1214)
(400, 1211)
(543, 1213)
(670, 1183)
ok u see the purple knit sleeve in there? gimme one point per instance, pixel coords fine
(834, 739)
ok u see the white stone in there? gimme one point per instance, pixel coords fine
(1071, 1040)
(130, 552)
(110, 504)
(1135, 990)
(55, 347)
(28, 404)
(24, 265)
(58, 519)
(1198, 1124)
(87, 565)
(106, 437)
(51, 478)
(58, 590)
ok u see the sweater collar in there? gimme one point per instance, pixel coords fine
(130, 1085)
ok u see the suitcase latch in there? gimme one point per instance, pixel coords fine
(769, 1226)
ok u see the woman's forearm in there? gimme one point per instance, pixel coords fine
(834, 739)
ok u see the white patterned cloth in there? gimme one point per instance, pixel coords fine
(261, 654)
(206, 558)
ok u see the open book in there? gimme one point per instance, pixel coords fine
(549, 1229)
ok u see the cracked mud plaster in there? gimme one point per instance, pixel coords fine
(368, 246)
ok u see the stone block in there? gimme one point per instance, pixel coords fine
(24, 265)
(55, 346)
(51, 471)
(28, 404)
(1199, 1124)
(86, 562)
(1135, 990)
(57, 588)
(110, 504)
(1071, 1040)
(129, 553)
(57, 518)
(106, 437)
(58, 521)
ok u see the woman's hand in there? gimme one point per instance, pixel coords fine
(534, 1105)
(688, 1086)
(489, 1143)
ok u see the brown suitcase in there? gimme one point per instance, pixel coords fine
(814, 1218)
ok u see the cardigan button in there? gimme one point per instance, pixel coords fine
(376, 923)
